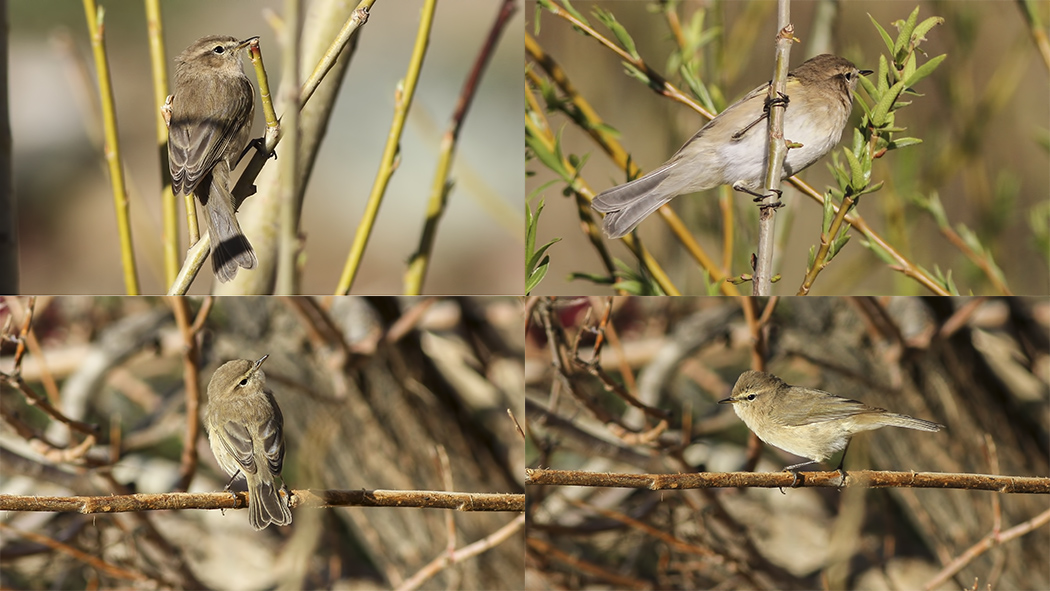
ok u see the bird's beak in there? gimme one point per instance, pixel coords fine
(727, 401)
(260, 361)
(245, 43)
(866, 72)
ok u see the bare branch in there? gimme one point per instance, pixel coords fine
(854, 478)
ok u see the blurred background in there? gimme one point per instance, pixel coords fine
(983, 116)
(67, 228)
(370, 389)
(980, 367)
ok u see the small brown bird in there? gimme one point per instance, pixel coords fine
(732, 148)
(808, 422)
(211, 118)
(246, 433)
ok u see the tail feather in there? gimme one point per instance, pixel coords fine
(265, 506)
(896, 420)
(627, 205)
(229, 248)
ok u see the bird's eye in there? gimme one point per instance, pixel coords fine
(219, 49)
(244, 382)
(751, 397)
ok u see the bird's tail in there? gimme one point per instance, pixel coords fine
(627, 205)
(265, 505)
(896, 420)
(229, 247)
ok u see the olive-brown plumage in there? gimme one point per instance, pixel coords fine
(211, 118)
(808, 422)
(734, 146)
(246, 432)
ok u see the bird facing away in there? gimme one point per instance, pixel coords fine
(212, 107)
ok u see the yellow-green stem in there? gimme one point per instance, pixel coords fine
(390, 153)
(169, 211)
(95, 19)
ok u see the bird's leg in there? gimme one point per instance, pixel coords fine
(781, 101)
(743, 188)
(842, 462)
(795, 470)
(227, 489)
(230, 483)
(260, 146)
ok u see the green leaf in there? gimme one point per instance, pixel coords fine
(904, 36)
(576, 13)
(828, 211)
(858, 141)
(593, 278)
(879, 115)
(634, 72)
(909, 66)
(857, 180)
(885, 36)
(884, 77)
(536, 263)
(870, 189)
(924, 70)
(608, 19)
(838, 243)
(537, 276)
(919, 34)
(903, 142)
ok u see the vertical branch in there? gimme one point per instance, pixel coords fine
(439, 190)
(158, 65)
(180, 306)
(762, 282)
(8, 213)
(96, 29)
(403, 102)
(289, 174)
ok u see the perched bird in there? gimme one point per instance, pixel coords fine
(246, 433)
(732, 149)
(808, 422)
(211, 114)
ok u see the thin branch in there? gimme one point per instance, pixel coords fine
(169, 210)
(316, 499)
(445, 560)
(990, 541)
(403, 96)
(288, 174)
(84, 557)
(440, 186)
(96, 30)
(190, 374)
(762, 282)
(832, 479)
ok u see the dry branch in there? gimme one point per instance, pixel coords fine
(854, 478)
(302, 498)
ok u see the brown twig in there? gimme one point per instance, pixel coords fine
(993, 539)
(100, 565)
(832, 479)
(441, 562)
(180, 306)
(317, 499)
(548, 551)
